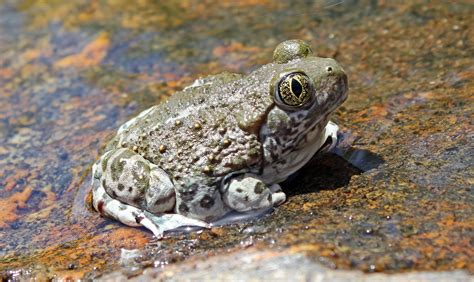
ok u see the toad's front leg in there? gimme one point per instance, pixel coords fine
(130, 189)
(247, 192)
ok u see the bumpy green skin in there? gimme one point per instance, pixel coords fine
(290, 50)
(204, 131)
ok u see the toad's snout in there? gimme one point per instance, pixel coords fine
(336, 74)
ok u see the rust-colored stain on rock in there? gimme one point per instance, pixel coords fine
(91, 55)
(11, 205)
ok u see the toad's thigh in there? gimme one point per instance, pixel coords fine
(131, 179)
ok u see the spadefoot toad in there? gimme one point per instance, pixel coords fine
(222, 144)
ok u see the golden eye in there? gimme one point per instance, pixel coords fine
(295, 89)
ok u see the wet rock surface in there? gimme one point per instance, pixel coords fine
(395, 196)
(248, 265)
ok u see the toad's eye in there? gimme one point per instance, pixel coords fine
(295, 89)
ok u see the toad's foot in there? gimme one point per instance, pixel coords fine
(247, 192)
(278, 197)
(132, 216)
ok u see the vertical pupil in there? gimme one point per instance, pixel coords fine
(296, 87)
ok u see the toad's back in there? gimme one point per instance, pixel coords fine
(208, 130)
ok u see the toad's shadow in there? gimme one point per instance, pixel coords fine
(331, 170)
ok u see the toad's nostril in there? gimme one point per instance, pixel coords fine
(329, 69)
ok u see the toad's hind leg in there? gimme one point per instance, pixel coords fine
(134, 191)
(132, 216)
(131, 179)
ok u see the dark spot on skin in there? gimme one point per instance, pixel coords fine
(118, 163)
(116, 169)
(183, 208)
(246, 198)
(138, 201)
(100, 207)
(293, 122)
(139, 218)
(269, 198)
(239, 190)
(188, 191)
(130, 189)
(114, 194)
(120, 187)
(259, 188)
(273, 156)
(294, 131)
(207, 202)
(286, 150)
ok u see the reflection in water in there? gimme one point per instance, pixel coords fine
(238, 217)
(362, 159)
(232, 217)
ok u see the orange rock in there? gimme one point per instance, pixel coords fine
(6, 73)
(234, 47)
(123, 237)
(11, 204)
(10, 182)
(91, 55)
(31, 54)
(244, 3)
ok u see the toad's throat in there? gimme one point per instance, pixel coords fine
(319, 139)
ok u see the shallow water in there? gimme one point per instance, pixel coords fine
(395, 196)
